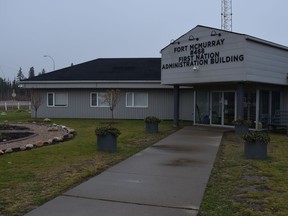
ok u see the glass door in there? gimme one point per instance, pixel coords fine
(202, 107)
(229, 108)
(222, 108)
(216, 108)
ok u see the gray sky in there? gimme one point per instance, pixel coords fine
(74, 31)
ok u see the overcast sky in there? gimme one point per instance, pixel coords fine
(74, 31)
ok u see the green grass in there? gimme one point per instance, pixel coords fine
(14, 116)
(30, 178)
(238, 186)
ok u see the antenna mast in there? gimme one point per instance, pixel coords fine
(226, 15)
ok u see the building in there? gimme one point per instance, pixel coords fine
(233, 75)
(78, 91)
(207, 75)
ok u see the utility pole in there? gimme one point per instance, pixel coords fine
(226, 15)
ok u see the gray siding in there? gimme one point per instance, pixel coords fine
(160, 104)
(266, 64)
(233, 45)
(186, 104)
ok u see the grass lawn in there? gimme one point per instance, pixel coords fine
(238, 186)
(30, 178)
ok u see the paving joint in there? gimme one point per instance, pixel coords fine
(132, 203)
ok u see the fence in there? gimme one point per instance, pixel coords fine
(13, 105)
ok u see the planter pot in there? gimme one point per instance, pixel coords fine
(152, 127)
(107, 143)
(241, 129)
(255, 150)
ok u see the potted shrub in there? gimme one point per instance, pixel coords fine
(255, 144)
(152, 124)
(107, 138)
(241, 126)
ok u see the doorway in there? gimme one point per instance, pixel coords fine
(222, 107)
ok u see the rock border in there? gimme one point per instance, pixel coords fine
(68, 135)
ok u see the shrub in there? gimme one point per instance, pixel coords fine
(102, 131)
(256, 136)
(152, 119)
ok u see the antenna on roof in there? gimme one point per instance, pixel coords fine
(226, 15)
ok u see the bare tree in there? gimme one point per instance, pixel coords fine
(112, 98)
(36, 101)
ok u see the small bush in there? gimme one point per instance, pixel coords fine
(152, 119)
(102, 131)
(256, 136)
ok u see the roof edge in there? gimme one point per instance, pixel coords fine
(90, 81)
(247, 37)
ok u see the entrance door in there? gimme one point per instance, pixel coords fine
(222, 108)
(229, 108)
(216, 108)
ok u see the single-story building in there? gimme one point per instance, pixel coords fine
(207, 75)
(78, 91)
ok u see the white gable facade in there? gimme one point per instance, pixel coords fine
(233, 75)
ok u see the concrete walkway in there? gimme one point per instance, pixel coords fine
(168, 178)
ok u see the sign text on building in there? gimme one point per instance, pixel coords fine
(196, 54)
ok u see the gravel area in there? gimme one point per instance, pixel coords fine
(41, 134)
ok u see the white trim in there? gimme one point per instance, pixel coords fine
(97, 104)
(133, 98)
(92, 81)
(53, 102)
(55, 105)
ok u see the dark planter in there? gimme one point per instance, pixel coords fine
(241, 129)
(107, 143)
(152, 127)
(255, 150)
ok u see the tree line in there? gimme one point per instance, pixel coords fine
(8, 87)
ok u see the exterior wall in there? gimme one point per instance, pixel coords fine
(254, 60)
(202, 67)
(284, 105)
(186, 109)
(266, 64)
(160, 104)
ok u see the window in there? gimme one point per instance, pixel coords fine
(136, 99)
(97, 99)
(59, 99)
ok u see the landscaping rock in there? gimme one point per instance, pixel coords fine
(8, 150)
(57, 139)
(51, 129)
(50, 141)
(39, 144)
(70, 131)
(29, 146)
(42, 137)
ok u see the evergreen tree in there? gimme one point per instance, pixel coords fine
(20, 75)
(42, 72)
(31, 72)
